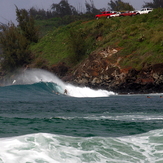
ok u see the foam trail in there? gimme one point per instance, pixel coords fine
(86, 92)
(32, 76)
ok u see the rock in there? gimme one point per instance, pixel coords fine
(83, 81)
(155, 76)
(60, 69)
(100, 70)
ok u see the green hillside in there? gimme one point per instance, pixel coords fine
(139, 38)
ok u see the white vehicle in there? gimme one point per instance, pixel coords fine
(115, 15)
(145, 11)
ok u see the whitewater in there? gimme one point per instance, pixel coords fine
(39, 123)
(48, 148)
(31, 76)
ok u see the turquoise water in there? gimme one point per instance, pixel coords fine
(40, 124)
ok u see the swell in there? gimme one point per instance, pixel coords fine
(74, 126)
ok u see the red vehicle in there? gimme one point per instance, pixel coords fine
(128, 13)
(105, 14)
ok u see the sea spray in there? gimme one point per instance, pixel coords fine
(31, 76)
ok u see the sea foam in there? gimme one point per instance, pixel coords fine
(31, 76)
(52, 148)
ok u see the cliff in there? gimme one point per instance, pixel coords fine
(100, 71)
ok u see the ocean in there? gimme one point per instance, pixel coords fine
(39, 123)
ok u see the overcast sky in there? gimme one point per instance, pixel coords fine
(7, 7)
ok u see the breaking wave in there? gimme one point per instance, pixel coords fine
(54, 84)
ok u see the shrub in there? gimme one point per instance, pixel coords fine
(77, 44)
(15, 47)
(15, 41)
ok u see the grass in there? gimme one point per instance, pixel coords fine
(140, 37)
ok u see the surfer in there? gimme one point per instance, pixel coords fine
(148, 97)
(65, 92)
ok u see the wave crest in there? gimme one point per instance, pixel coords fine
(53, 83)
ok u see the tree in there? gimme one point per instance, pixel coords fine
(14, 46)
(63, 8)
(15, 41)
(154, 4)
(119, 5)
(90, 8)
(27, 25)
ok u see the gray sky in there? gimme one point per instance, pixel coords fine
(7, 7)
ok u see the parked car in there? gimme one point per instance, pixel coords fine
(128, 13)
(115, 15)
(105, 14)
(145, 11)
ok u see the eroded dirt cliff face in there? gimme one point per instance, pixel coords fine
(102, 70)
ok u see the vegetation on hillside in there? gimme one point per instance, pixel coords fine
(70, 35)
(140, 39)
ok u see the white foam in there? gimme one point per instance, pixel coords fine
(32, 76)
(39, 148)
(51, 148)
(24, 149)
(86, 92)
(148, 145)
